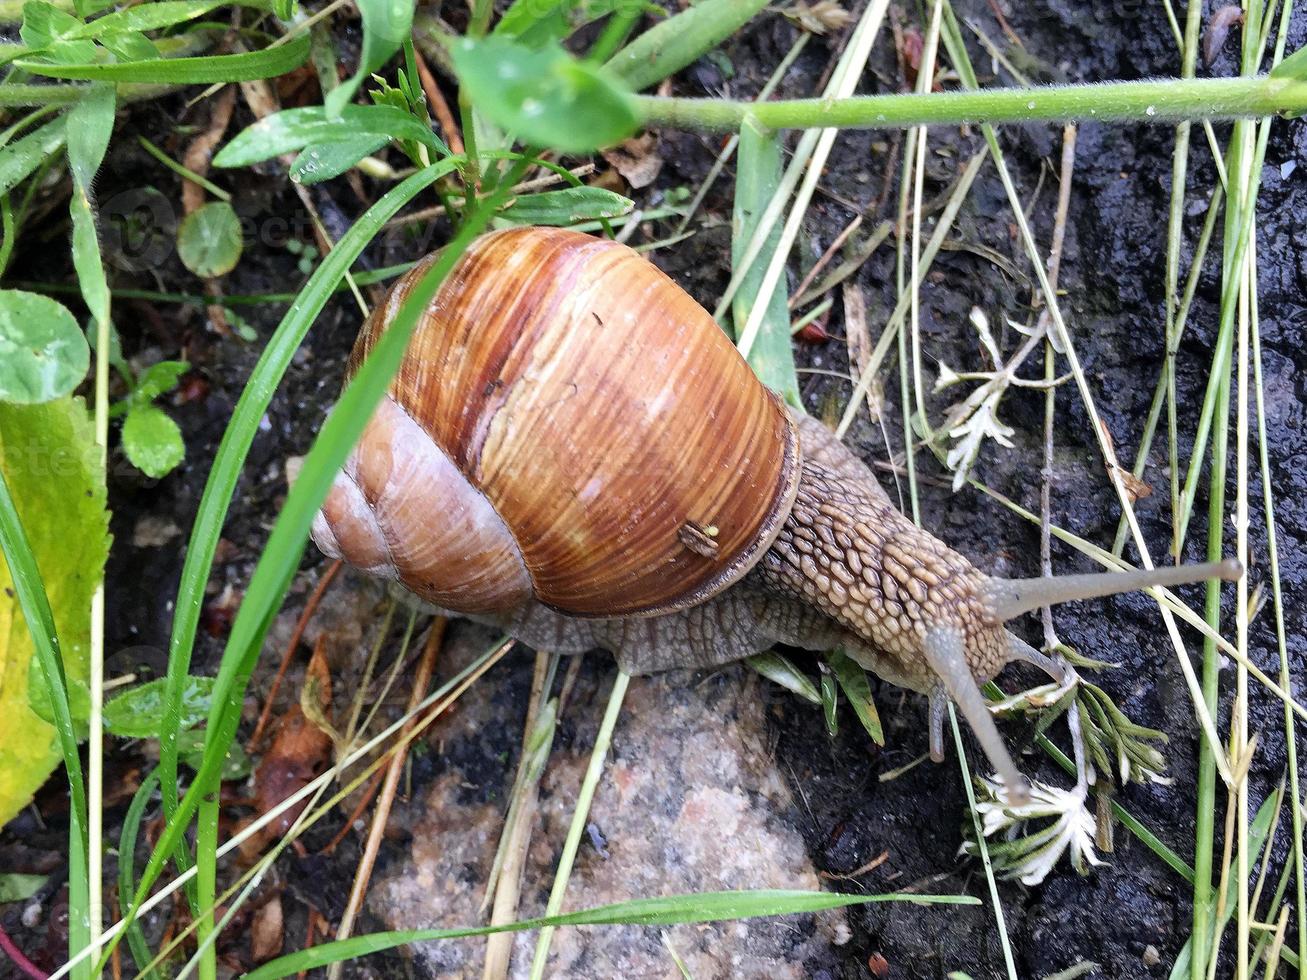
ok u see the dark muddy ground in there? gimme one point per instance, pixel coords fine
(1126, 916)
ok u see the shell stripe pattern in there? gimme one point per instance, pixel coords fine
(600, 411)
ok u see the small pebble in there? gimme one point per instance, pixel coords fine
(1151, 956)
(32, 915)
(597, 840)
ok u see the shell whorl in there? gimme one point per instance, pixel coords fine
(568, 425)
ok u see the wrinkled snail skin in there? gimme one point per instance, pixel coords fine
(574, 452)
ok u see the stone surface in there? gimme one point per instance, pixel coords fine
(691, 801)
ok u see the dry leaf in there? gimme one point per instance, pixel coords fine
(1135, 488)
(636, 159)
(820, 17)
(267, 934)
(855, 328)
(1222, 22)
(300, 750)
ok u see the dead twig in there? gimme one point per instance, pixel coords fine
(826, 256)
(421, 681)
(364, 800)
(440, 107)
(296, 635)
(518, 824)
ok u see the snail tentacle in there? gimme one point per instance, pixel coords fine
(944, 648)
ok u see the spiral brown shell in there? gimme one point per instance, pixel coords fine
(569, 425)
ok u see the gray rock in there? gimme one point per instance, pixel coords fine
(690, 801)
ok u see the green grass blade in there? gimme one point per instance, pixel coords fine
(206, 69)
(386, 24)
(35, 605)
(150, 16)
(1257, 832)
(235, 446)
(780, 669)
(281, 555)
(672, 910)
(338, 435)
(757, 182)
(127, 871)
(856, 687)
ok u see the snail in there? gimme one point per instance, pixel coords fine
(574, 452)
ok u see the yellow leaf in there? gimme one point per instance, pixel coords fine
(52, 467)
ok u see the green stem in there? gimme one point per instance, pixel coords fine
(1164, 392)
(206, 876)
(480, 20)
(1169, 100)
(588, 785)
(981, 845)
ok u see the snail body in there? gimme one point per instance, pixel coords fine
(574, 452)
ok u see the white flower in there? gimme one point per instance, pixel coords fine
(1032, 856)
(979, 425)
(947, 377)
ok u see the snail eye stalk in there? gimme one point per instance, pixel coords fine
(1009, 598)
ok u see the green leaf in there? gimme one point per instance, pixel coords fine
(1294, 66)
(42, 704)
(138, 712)
(45, 24)
(856, 687)
(127, 870)
(20, 158)
(15, 887)
(830, 703)
(152, 441)
(130, 46)
(207, 69)
(209, 240)
(757, 181)
(546, 97)
(386, 25)
(148, 17)
(294, 129)
(235, 764)
(52, 472)
(158, 378)
(536, 23)
(783, 671)
(567, 206)
(669, 910)
(324, 161)
(43, 354)
(669, 46)
(90, 124)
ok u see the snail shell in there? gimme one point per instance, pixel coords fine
(582, 431)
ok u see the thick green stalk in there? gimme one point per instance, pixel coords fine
(1167, 100)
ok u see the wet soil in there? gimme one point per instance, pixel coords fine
(1132, 916)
